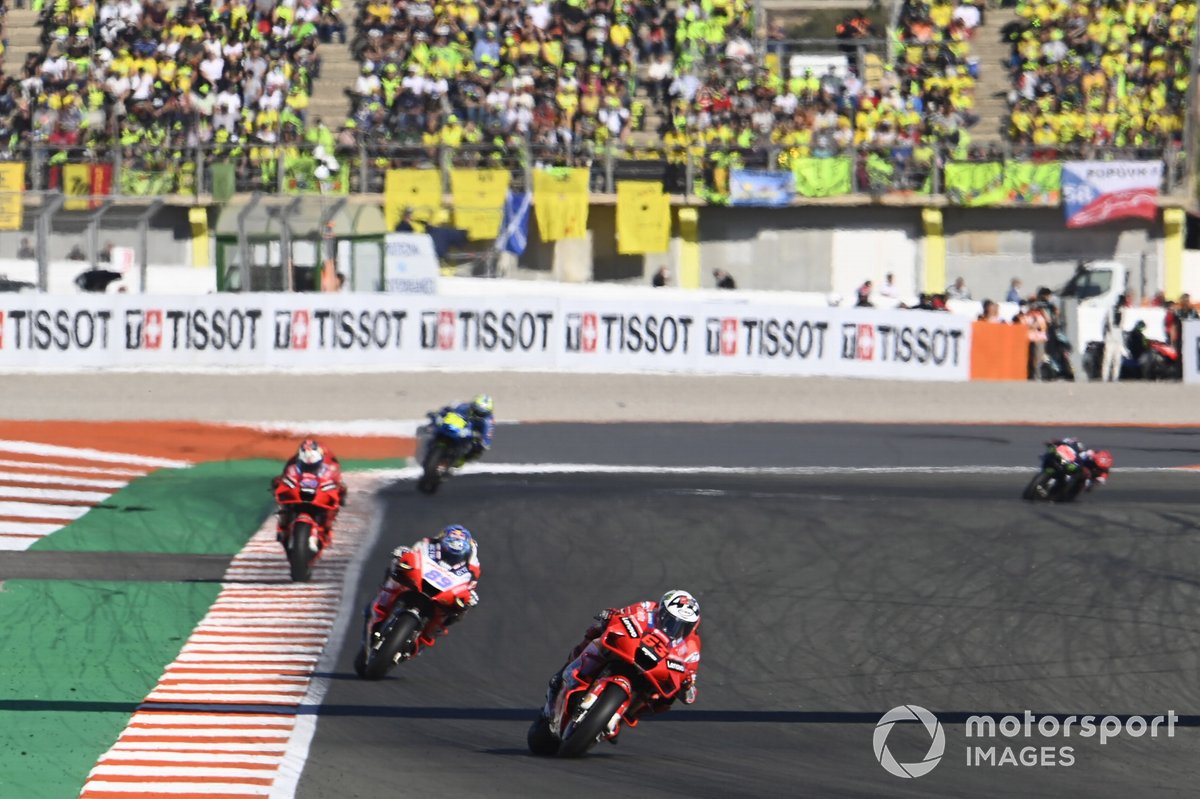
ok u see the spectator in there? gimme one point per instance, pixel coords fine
(660, 277)
(76, 254)
(26, 252)
(405, 224)
(723, 279)
(991, 312)
(864, 296)
(888, 289)
(959, 290)
(1014, 291)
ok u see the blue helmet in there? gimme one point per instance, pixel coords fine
(456, 545)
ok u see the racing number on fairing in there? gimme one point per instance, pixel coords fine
(657, 645)
(439, 578)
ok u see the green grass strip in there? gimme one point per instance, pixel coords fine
(78, 658)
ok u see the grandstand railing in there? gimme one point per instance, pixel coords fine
(271, 169)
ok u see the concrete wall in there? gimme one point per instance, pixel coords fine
(815, 249)
(988, 247)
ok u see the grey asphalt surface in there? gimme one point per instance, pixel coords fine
(827, 600)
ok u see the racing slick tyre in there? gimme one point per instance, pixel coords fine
(397, 633)
(541, 741)
(581, 734)
(431, 476)
(300, 555)
(1039, 487)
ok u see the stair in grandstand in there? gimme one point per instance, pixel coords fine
(22, 30)
(338, 73)
(991, 90)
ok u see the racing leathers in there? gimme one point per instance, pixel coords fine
(393, 583)
(587, 658)
(482, 428)
(328, 470)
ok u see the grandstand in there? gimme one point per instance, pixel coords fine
(170, 94)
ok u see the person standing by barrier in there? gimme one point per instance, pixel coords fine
(1114, 340)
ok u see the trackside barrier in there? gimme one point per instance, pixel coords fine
(999, 351)
(1191, 351)
(388, 331)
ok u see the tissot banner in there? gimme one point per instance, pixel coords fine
(399, 331)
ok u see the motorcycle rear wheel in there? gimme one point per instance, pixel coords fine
(583, 734)
(431, 476)
(1038, 487)
(378, 662)
(539, 738)
(299, 554)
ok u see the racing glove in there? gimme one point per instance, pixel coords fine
(689, 692)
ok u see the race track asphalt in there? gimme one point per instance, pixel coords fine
(827, 598)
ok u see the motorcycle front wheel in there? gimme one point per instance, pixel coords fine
(377, 661)
(583, 733)
(1039, 487)
(299, 554)
(431, 475)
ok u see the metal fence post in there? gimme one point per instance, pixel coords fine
(118, 157)
(364, 173)
(51, 202)
(689, 176)
(281, 178)
(199, 172)
(143, 229)
(609, 171)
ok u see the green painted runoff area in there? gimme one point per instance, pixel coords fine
(78, 658)
(208, 509)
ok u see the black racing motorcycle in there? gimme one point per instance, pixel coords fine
(1062, 477)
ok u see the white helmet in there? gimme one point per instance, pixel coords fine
(678, 614)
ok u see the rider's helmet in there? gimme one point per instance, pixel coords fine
(481, 406)
(1104, 461)
(310, 455)
(456, 545)
(678, 614)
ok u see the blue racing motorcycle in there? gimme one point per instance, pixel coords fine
(449, 441)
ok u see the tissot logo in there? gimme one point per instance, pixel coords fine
(152, 329)
(866, 342)
(583, 332)
(445, 330)
(301, 325)
(721, 336)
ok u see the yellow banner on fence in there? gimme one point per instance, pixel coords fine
(418, 189)
(479, 200)
(560, 201)
(643, 217)
(12, 189)
(77, 182)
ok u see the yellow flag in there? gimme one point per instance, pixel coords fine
(560, 202)
(643, 217)
(77, 182)
(418, 189)
(12, 186)
(479, 200)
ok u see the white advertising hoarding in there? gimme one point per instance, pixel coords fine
(380, 331)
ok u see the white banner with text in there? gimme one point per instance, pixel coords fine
(399, 331)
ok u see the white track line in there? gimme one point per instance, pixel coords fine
(41, 466)
(51, 450)
(413, 472)
(56, 479)
(254, 653)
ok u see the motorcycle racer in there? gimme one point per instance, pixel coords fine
(478, 413)
(1095, 462)
(677, 614)
(455, 549)
(310, 458)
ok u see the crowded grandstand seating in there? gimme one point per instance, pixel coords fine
(1105, 72)
(156, 80)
